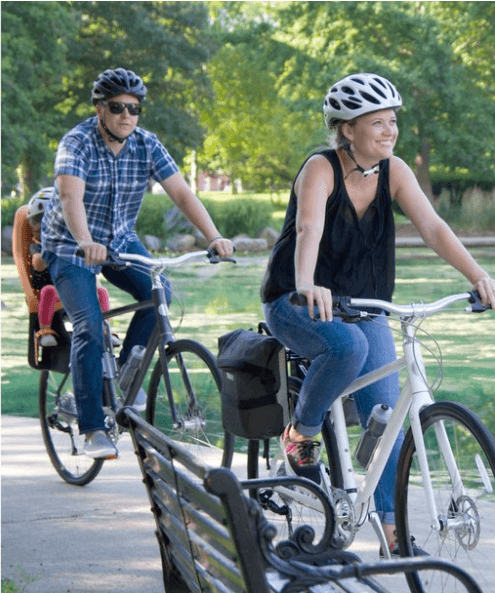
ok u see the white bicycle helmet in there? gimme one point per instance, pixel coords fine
(37, 203)
(358, 95)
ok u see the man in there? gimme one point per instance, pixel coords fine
(102, 169)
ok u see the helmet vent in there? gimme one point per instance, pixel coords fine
(351, 104)
(378, 91)
(369, 98)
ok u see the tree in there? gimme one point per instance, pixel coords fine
(166, 43)
(440, 121)
(53, 51)
(428, 49)
(34, 39)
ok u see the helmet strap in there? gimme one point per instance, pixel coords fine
(364, 172)
(111, 136)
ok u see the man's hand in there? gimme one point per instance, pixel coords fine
(94, 253)
(224, 247)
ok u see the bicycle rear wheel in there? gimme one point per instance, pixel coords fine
(291, 507)
(195, 381)
(60, 430)
(465, 503)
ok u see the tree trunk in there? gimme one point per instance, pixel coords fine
(26, 176)
(423, 169)
(194, 172)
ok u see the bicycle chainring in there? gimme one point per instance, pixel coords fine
(345, 526)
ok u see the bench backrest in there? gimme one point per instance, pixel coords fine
(205, 544)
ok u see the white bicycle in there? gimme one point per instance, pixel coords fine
(446, 471)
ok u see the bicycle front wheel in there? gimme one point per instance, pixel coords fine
(58, 418)
(463, 490)
(195, 382)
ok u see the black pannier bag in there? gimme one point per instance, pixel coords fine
(254, 384)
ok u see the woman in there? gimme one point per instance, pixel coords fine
(339, 238)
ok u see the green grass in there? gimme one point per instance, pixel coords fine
(217, 299)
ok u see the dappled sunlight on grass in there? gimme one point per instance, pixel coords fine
(212, 300)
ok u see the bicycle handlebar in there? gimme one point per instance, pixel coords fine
(123, 260)
(348, 308)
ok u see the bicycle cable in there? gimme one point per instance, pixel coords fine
(437, 381)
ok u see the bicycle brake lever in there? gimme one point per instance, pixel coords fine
(347, 313)
(476, 305)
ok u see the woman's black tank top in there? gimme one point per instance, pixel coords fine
(356, 256)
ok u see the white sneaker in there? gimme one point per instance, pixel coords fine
(99, 446)
(140, 402)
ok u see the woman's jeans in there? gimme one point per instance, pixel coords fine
(76, 288)
(339, 353)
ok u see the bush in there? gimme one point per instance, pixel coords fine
(151, 219)
(241, 215)
(476, 210)
(9, 207)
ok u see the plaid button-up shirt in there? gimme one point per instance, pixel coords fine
(114, 191)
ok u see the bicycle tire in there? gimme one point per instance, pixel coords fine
(467, 534)
(205, 379)
(302, 505)
(60, 431)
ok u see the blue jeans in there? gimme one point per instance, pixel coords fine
(76, 288)
(339, 353)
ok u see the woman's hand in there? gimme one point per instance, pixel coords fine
(486, 287)
(320, 296)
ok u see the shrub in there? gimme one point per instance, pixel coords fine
(151, 219)
(476, 210)
(241, 215)
(9, 207)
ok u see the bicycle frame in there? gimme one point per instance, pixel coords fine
(414, 397)
(161, 337)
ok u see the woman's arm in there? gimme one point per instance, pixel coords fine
(190, 205)
(71, 190)
(435, 232)
(312, 187)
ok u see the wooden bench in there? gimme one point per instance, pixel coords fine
(215, 538)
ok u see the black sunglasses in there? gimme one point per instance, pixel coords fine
(117, 107)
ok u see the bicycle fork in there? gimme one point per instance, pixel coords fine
(165, 339)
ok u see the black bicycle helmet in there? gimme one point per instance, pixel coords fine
(120, 81)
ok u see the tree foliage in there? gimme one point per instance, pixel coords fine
(53, 51)
(34, 39)
(249, 79)
(442, 70)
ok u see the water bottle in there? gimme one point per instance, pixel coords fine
(370, 438)
(130, 368)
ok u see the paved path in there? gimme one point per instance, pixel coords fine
(98, 538)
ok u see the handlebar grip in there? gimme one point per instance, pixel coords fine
(341, 307)
(112, 260)
(214, 259)
(477, 305)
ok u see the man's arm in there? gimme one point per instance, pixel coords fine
(71, 190)
(190, 205)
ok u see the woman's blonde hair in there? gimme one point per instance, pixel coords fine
(337, 139)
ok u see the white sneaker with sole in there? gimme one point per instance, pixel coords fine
(140, 402)
(99, 446)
